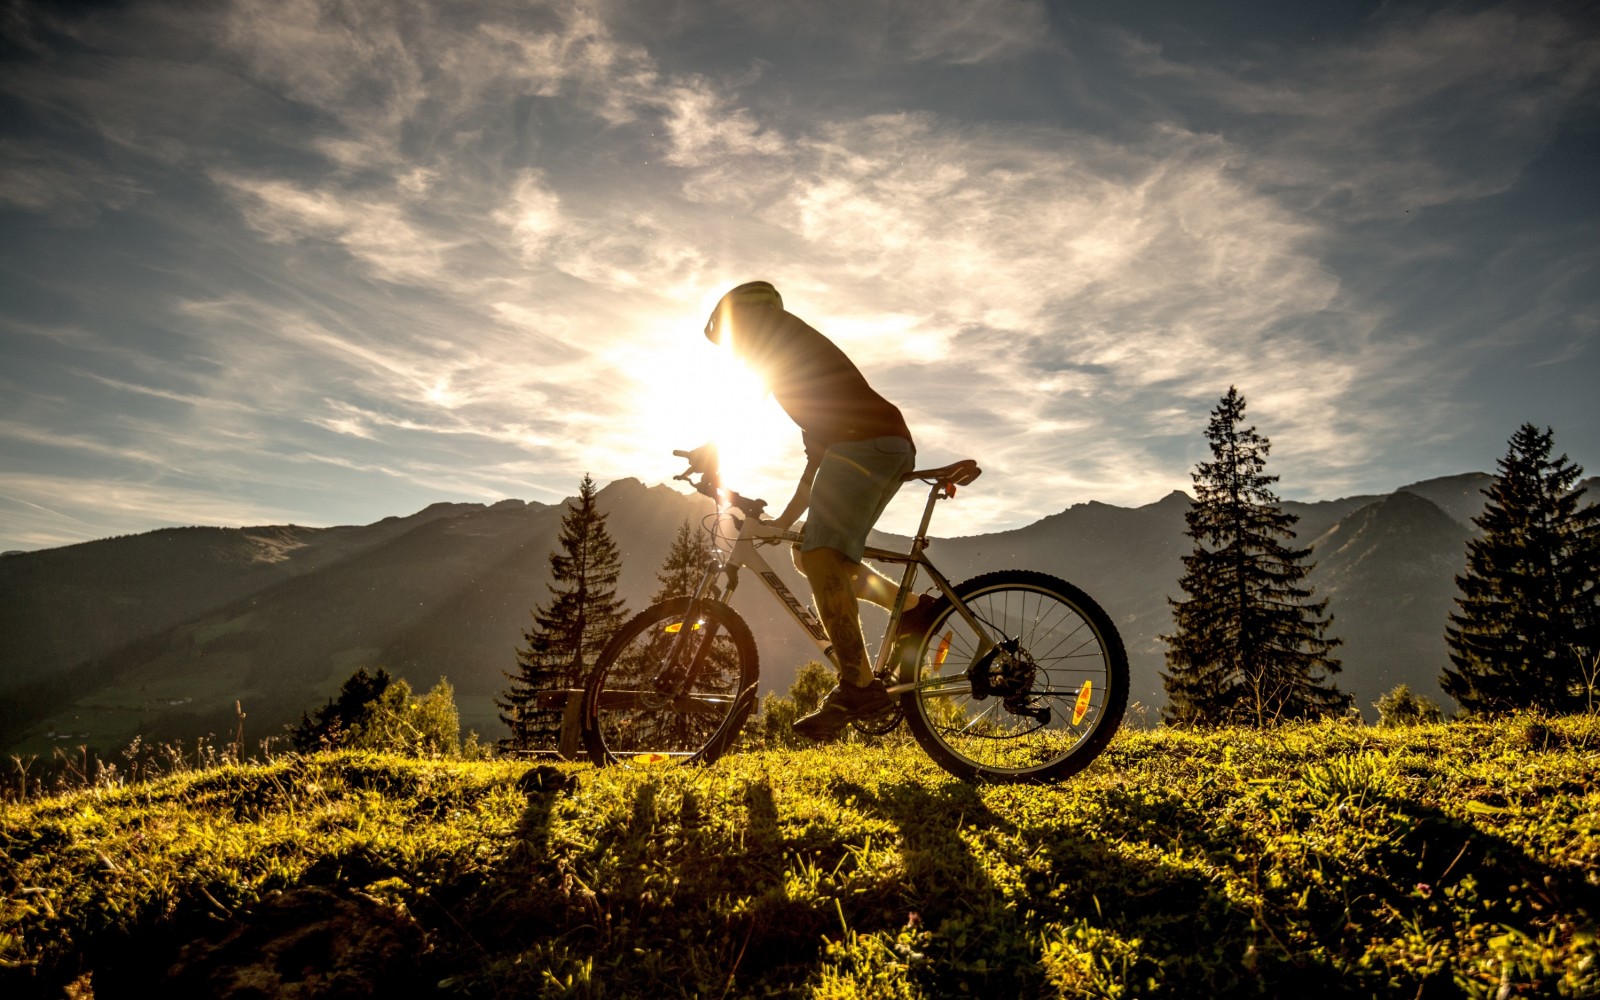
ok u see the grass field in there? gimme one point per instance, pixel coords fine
(1452, 860)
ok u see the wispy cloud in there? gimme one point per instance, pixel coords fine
(957, 32)
(69, 190)
(376, 232)
(465, 248)
(117, 507)
(1424, 109)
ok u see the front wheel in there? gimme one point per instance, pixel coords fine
(1033, 695)
(675, 683)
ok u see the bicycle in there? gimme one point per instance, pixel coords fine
(1017, 677)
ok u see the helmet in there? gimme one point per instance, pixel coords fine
(751, 293)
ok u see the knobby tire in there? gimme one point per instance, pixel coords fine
(1061, 639)
(635, 708)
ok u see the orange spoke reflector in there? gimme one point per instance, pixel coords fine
(678, 627)
(944, 651)
(1082, 706)
(650, 758)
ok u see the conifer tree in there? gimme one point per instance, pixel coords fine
(1249, 644)
(1530, 598)
(685, 564)
(344, 715)
(570, 630)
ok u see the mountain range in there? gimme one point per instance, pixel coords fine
(176, 632)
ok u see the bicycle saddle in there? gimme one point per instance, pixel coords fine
(955, 474)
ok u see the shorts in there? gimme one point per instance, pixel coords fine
(853, 485)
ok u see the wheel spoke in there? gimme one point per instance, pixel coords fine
(1051, 641)
(671, 685)
(985, 714)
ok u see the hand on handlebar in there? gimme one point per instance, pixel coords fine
(701, 459)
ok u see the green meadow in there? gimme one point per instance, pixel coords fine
(1460, 859)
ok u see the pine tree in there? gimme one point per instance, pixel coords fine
(568, 632)
(685, 564)
(1530, 599)
(1249, 644)
(338, 721)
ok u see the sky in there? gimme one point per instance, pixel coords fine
(326, 261)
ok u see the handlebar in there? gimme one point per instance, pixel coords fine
(703, 461)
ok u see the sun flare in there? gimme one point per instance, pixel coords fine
(697, 392)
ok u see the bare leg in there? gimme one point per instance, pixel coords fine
(833, 584)
(875, 588)
(869, 585)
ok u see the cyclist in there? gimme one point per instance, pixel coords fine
(857, 448)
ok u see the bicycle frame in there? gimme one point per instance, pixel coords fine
(1022, 677)
(754, 533)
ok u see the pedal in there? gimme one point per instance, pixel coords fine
(881, 724)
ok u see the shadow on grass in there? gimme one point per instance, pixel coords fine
(688, 882)
(1280, 896)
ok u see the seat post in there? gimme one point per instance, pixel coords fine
(919, 543)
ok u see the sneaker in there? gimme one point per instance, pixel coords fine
(916, 621)
(845, 704)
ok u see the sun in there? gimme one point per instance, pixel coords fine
(696, 392)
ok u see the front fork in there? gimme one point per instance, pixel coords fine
(668, 682)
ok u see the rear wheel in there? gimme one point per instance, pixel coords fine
(675, 683)
(1036, 704)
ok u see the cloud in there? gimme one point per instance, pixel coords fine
(378, 67)
(464, 247)
(1419, 111)
(376, 232)
(705, 128)
(1050, 282)
(975, 31)
(68, 189)
(951, 32)
(100, 447)
(60, 513)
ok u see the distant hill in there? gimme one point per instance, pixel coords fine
(446, 592)
(1461, 497)
(160, 634)
(66, 605)
(1389, 573)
